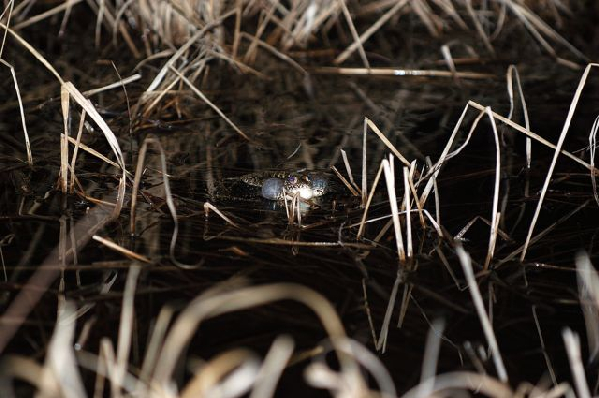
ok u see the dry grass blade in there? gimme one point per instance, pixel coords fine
(182, 50)
(431, 21)
(542, 341)
(229, 374)
(61, 366)
(431, 355)
(406, 299)
(108, 134)
(126, 325)
(544, 232)
(209, 206)
(153, 349)
(354, 33)
(91, 151)
(446, 52)
(77, 144)
(274, 363)
(159, 95)
(412, 188)
(203, 308)
(386, 141)
(237, 30)
(22, 112)
(433, 171)
(592, 151)
(99, 20)
(460, 235)
(450, 382)
(535, 25)
(168, 197)
(119, 249)
(496, 216)
(513, 71)
(572, 342)
(250, 55)
(10, 6)
(349, 172)
(348, 184)
(63, 6)
(46, 274)
(64, 142)
(364, 166)
(165, 68)
(588, 290)
(368, 201)
(384, 333)
(136, 180)
(370, 31)
(433, 185)
(284, 242)
(22, 368)
(389, 172)
(534, 136)
(293, 208)
(114, 85)
(479, 28)
(210, 104)
(560, 390)
(33, 52)
(558, 147)
(482, 315)
(399, 72)
(373, 364)
(107, 366)
(273, 50)
(407, 206)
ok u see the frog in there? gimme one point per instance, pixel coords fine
(277, 185)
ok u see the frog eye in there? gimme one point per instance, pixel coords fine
(292, 179)
(308, 178)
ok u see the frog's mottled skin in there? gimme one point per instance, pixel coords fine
(308, 184)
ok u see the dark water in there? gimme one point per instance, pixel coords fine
(296, 125)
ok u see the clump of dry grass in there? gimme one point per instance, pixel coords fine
(229, 374)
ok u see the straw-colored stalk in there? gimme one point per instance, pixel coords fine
(477, 299)
(203, 308)
(592, 151)
(558, 147)
(495, 215)
(588, 290)
(370, 31)
(119, 249)
(512, 72)
(64, 146)
(22, 112)
(431, 356)
(544, 350)
(572, 342)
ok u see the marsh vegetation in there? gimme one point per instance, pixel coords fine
(457, 254)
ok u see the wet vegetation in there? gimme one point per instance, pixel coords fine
(455, 252)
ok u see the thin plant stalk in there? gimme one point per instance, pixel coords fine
(495, 215)
(513, 71)
(482, 315)
(572, 342)
(20, 101)
(558, 147)
(390, 180)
